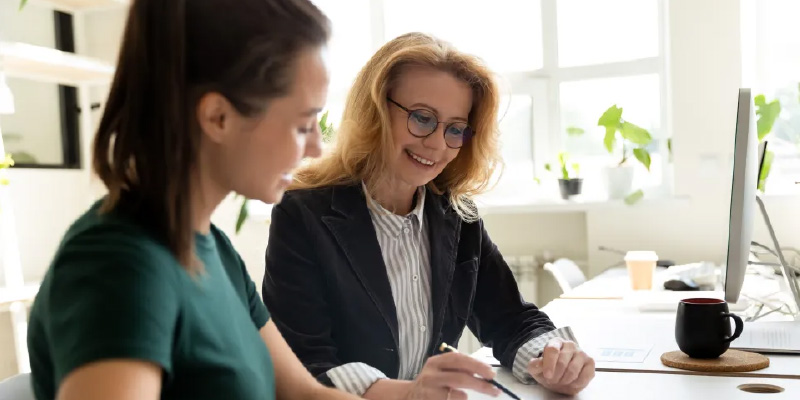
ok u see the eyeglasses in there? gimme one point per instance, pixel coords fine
(423, 123)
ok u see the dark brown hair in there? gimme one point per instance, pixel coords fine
(173, 52)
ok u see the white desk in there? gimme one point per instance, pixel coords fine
(617, 324)
(601, 318)
(613, 283)
(617, 386)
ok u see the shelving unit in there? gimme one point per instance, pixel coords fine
(50, 65)
(73, 6)
(44, 64)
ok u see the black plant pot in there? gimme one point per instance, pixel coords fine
(570, 187)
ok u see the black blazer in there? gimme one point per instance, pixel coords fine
(327, 288)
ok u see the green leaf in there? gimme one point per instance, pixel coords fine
(643, 156)
(574, 131)
(323, 122)
(634, 197)
(537, 180)
(635, 134)
(3, 181)
(22, 4)
(242, 215)
(562, 158)
(610, 117)
(564, 172)
(611, 138)
(548, 168)
(669, 148)
(325, 128)
(7, 162)
(577, 168)
(562, 161)
(767, 114)
(762, 179)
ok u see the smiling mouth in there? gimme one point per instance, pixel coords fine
(421, 160)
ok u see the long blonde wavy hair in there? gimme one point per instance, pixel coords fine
(364, 139)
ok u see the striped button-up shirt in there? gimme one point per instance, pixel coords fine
(406, 253)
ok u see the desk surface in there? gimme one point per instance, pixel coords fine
(602, 324)
(615, 385)
(613, 283)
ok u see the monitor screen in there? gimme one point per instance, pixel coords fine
(747, 159)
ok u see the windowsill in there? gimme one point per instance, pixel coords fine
(489, 204)
(522, 204)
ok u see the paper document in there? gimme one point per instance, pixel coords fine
(770, 337)
(619, 355)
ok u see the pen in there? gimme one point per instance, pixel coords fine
(444, 347)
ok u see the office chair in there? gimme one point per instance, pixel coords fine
(17, 387)
(566, 272)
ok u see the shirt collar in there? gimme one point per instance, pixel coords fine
(383, 213)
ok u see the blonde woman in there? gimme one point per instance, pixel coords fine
(377, 254)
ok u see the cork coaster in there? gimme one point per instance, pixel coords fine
(731, 361)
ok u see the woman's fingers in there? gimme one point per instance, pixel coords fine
(574, 368)
(462, 363)
(458, 380)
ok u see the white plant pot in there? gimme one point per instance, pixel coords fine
(619, 181)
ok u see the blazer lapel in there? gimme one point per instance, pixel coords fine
(352, 227)
(444, 227)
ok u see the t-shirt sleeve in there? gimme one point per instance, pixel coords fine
(111, 296)
(237, 271)
(258, 311)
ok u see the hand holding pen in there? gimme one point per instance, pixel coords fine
(444, 347)
(445, 376)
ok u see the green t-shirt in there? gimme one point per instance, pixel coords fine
(113, 291)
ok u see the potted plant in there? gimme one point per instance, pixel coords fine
(633, 140)
(569, 184)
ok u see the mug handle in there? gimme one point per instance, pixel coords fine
(739, 326)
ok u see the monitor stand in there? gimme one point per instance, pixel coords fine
(788, 272)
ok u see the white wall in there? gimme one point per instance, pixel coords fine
(46, 201)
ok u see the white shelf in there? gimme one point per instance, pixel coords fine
(24, 294)
(72, 6)
(44, 64)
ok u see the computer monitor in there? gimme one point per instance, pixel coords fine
(746, 166)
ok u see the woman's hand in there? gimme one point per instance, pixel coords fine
(444, 376)
(563, 367)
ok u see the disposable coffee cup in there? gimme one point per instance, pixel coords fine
(641, 266)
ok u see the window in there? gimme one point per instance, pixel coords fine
(561, 64)
(597, 32)
(771, 66)
(505, 33)
(351, 43)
